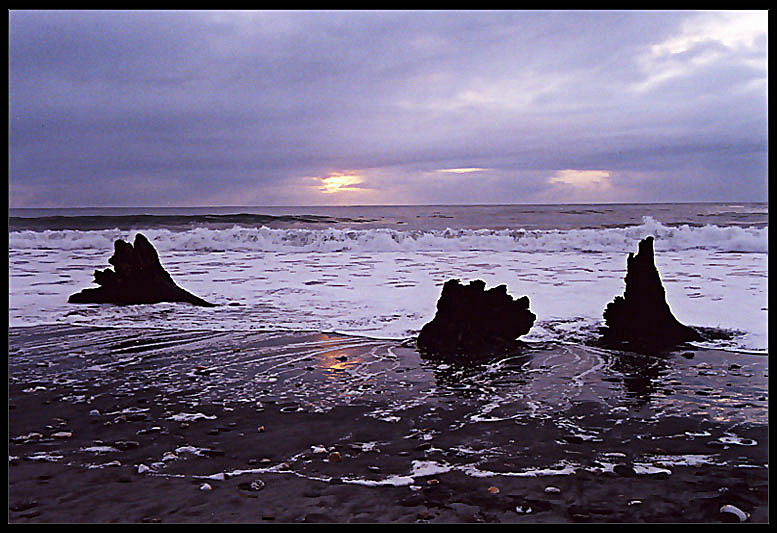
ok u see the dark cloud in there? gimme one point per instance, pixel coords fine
(213, 107)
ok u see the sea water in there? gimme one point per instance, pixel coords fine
(377, 271)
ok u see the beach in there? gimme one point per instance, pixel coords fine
(148, 425)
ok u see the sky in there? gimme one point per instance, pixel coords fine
(273, 108)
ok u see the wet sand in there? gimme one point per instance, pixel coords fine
(146, 426)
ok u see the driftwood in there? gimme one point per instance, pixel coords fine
(642, 316)
(138, 278)
(474, 323)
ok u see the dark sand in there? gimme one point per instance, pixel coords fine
(356, 430)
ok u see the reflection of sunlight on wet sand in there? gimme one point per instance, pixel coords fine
(336, 361)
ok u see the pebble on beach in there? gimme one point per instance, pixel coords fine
(334, 457)
(252, 486)
(733, 513)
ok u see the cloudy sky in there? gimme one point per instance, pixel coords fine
(315, 108)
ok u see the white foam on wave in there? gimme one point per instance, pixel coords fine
(385, 284)
(264, 239)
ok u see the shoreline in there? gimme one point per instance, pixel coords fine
(403, 341)
(135, 438)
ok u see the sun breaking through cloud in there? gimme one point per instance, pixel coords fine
(340, 183)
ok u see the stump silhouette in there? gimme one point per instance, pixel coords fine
(642, 315)
(475, 323)
(138, 278)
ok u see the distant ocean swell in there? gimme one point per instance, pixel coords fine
(96, 222)
(264, 239)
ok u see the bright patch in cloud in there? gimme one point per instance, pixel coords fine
(732, 29)
(581, 178)
(677, 56)
(340, 183)
(461, 170)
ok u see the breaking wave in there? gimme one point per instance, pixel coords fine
(265, 239)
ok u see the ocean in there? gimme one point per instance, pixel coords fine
(377, 271)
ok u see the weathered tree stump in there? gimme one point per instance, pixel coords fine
(474, 323)
(138, 278)
(641, 316)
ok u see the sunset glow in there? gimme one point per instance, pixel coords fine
(461, 170)
(581, 178)
(340, 183)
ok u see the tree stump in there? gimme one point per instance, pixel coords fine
(138, 278)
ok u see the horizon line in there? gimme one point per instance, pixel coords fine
(389, 205)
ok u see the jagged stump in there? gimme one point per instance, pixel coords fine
(474, 323)
(642, 316)
(139, 278)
